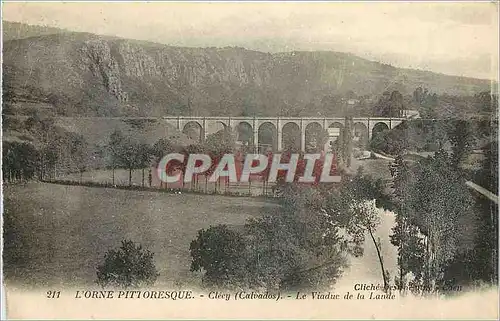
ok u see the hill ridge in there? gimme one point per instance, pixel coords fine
(80, 73)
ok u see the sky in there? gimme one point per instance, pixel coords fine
(454, 38)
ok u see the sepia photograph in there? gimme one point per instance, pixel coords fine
(250, 160)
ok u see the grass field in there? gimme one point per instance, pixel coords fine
(58, 234)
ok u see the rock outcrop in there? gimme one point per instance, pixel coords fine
(85, 74)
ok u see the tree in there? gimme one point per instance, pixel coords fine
(218, 250)
(429, 105)
(209, 172)
(436, 135)
(144, 158)
(443, 199)
(411, 252)
(130, 266)
(432, 222)
(486, 250)
(350, 210)
(389, 105)
(365, 213)
(488, 175)
(462, 139)
(191, 149)
(406, 236)
(396, 104)
(115, 144)
(79, 154)
(318, 141)
(347, 142)
(283, 250)
(486, 102)
(419, 96)
(265, 173)
(291, 142)
(130, 155)
(161, 148)
(218, 144)
(221, 142)
(20, 161)
(49, 158)
(128, 152)
(301, 245)
(293, 249)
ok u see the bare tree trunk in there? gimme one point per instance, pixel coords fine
(130, 176)
(401, 274)
(384, 277)
(142, 177)
(432, 260)
(427, 275)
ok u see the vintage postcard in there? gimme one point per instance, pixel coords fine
(250, 160)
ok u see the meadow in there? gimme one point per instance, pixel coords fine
(58, 234)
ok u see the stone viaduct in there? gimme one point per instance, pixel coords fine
(251, 129)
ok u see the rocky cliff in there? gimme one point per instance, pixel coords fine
(85, 74)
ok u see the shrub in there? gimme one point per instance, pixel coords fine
(129, 266)
(218, 251)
